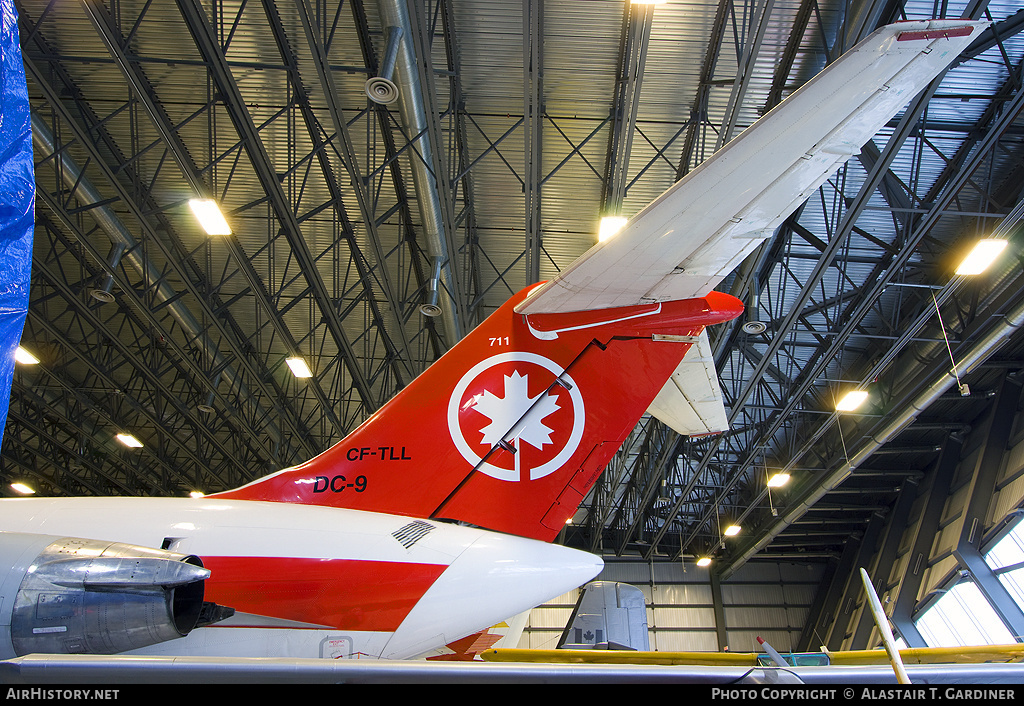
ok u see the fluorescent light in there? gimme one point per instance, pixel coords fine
(778, 480)
(610, 225)
(984, 254)
(24, 357)
(704, 561)
(129, 441)
(210, 218)
(852, 400)
(299, 368)
(22, 488)
(732, 530)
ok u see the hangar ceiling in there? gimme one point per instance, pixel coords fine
(521, 124)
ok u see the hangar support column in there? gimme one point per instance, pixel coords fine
(884, 559)
(820, 623)
(927, 527)
(804, 644)
(850, 578)
(996, 437)
(719, 607)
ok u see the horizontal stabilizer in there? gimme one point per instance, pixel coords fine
(691, 401)
(686, 241)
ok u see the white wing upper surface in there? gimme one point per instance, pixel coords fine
(686, 241)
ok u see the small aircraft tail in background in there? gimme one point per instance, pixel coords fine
(608, 616)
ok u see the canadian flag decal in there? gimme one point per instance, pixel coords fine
(516, 416)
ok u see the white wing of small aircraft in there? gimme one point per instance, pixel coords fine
(433, 520)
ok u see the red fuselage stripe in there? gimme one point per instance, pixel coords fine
(345, 594)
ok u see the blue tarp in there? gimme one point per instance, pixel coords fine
(17, 197)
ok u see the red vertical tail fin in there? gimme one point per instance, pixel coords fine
(510, 428)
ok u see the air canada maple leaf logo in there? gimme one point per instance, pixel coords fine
(516, 416)
(515, 404)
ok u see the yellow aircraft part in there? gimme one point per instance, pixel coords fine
(935, 655)
(911, 655)
(738, 659)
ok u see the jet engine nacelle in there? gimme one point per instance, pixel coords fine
(64, 595)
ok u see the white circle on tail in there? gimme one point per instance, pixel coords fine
(501, 409)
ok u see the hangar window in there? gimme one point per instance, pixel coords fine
(1006, 559)
(962, 617)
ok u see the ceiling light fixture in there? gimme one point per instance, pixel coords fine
(129, 441)
(299, 367)
(610, 225)
(24, 357)
(210, 218)
(22, 488)
(778, 480)
(982, 256)
(851, 400)
(732, 530)
(704, 561)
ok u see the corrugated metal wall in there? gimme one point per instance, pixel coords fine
(767, 599)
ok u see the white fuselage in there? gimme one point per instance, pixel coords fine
(309, 581)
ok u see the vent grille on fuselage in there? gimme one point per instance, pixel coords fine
(412, 533)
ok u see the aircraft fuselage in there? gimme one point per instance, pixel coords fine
(309, 581)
